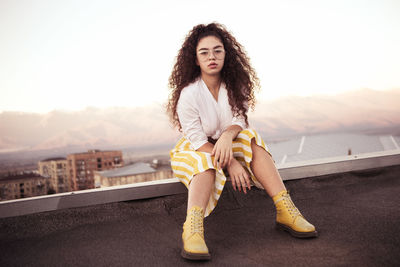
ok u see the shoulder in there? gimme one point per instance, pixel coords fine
(192, 89)
(190, 92)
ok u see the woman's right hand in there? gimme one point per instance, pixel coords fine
(222, 151)
(239, 176)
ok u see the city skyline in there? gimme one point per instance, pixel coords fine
(59, 55)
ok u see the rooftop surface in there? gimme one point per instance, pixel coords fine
(357, 214)
(330, 145)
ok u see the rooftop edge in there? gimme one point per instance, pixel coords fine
(143, 190)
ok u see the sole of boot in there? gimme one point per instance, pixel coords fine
(195, 256)
(294, 233)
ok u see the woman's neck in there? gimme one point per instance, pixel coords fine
(213, 83)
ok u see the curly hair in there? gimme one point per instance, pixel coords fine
(239, 77)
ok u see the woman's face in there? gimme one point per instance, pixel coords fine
(210, 55)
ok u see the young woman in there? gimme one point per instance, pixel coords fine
(213, 86)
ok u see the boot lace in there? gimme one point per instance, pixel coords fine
(294, 212)
(197, 222)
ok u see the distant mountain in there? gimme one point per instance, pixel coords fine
(351, 111)
(149, 126)
(89, 128)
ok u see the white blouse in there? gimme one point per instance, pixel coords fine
(201, 116)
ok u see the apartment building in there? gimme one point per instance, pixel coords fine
(56, 170)
(81, 166)
(24, 185)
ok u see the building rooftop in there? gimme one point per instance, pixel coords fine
(135, 168)
(54, 159)
(356, 211)
(20, 176)
(94, 151)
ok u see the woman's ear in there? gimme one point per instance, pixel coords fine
(197, 62)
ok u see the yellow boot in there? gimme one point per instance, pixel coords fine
(289, 218)
(194, 246)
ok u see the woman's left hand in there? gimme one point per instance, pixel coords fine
(222, 151)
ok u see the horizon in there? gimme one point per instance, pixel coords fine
(27, 159)
(120, 126)
(58, 55)
(159, 104)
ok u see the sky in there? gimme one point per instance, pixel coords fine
(67, 55)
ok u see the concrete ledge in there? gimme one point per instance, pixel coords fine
(311, 168)
(289, 171)
(90, 197)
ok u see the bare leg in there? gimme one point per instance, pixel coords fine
(264, 169)
(200, 189)
(194, 246)
(288, 217)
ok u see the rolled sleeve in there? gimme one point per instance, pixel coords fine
(190, 121)
(240, 121)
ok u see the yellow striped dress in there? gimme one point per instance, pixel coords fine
(186, 162)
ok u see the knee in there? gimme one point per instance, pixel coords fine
(210, 173)
(254, 145)
(203, 178)
(257, 149)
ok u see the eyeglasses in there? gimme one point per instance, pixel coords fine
(204, 55)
